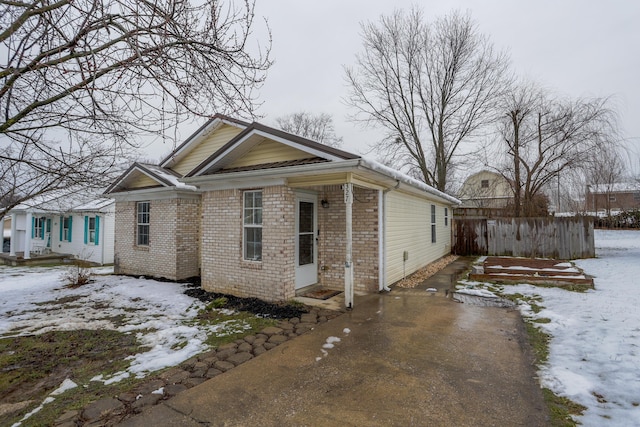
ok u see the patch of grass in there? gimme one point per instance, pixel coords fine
(561, 409)
(539, 341)
(230, 327)
(33, 366)
(296, 304)
(572, 287)
(217, 303)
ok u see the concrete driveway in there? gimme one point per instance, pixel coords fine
(404, 358)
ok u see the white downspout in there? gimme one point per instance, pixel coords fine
(382, 253)
(14, 237)
(348, 264)
(27, 236)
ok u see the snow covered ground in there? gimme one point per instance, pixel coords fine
(33, 300)
(594, 355)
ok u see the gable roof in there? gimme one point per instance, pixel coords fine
(252, 135)
(192, 141)
(615, 187)
(164, 177)
(263, 152)
(62, 201)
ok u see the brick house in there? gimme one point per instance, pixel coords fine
(617, 196)
(255, 211)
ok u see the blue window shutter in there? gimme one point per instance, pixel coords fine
(97, 230)
(42, 222)
(33, 227)
(61, 224)
(70, 228)
(86, 229)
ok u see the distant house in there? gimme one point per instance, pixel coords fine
(484, 193)
(616, 196)
(64, 224)
(258, 212)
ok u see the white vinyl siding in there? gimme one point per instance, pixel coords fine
(269, 152)
(143, 181)
(408, 229)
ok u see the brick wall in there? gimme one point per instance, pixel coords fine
(223, 267)
(614, 200)
(174, 233)
(331, 248)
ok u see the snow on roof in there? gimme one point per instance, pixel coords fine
(395, 174)
(94, 205)
(56, 201)
(616, 187)
(168, 177)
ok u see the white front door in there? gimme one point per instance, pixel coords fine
(306, 248)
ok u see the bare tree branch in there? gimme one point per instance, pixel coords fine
(81, 80)
(542, 136)
(431, 86)
(318, 127)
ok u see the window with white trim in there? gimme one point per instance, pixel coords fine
(252, 225)
(143, 216)
(91, 230)
(66, 229)
(433, 223)
(38, 227)
(446, 217)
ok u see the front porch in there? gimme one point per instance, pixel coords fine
(36, 259)
(322, 297)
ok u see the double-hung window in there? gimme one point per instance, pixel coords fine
(252, 226)
(433, 223)
(91, 230)
(446, 217)
(38, 227)
(65, 229)
(143, 220)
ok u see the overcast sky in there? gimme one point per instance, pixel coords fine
(579, 48)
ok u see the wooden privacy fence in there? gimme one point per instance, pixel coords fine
(553, 237)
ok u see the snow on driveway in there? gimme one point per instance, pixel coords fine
(594, 354)
(33, 300)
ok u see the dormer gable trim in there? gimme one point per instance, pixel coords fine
(245, 141)
(196, 138)
(119, 184)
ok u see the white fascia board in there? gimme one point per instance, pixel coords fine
(301, 170)
(242, 182)
(195, 139)
(222, 157)
(165, 193)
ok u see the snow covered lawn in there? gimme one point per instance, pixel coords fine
(594, 354)
(33, 300)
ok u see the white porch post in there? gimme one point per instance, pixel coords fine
(14, 238)
(27, 236)
(348, 264)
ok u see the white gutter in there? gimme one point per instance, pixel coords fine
(391, 176)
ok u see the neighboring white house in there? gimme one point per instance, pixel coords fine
(68, 224)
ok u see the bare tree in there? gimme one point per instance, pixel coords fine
(317, 127)
(431, 86)
(602, 171)
(544, 136)
(80, 80)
